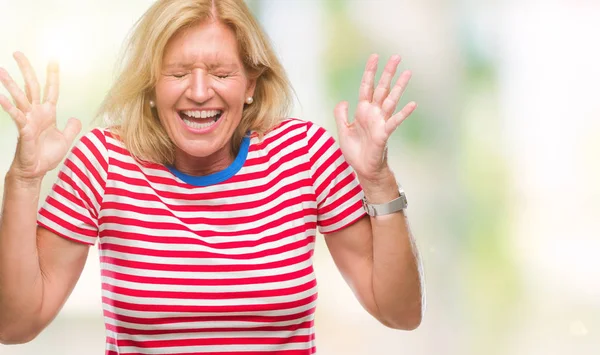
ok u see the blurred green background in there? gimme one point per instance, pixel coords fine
(500, 161)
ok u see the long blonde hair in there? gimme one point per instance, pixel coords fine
(126, 106)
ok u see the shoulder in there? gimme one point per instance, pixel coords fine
(296, 122)
(295, 125)
(93, 140)
(288, 124)
(98, 144)
(99, 134)
(105, 139)
(289, 131)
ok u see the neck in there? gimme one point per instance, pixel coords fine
(202, 166)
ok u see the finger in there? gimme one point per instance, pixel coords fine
(14, 112)
(397, 119)
(32, 86)
(72, 129)
(366, 85)
(383, 87)
(341, 116)
(391, 101)
(17, 94)
(52, 83)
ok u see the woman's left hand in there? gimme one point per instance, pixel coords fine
(364, 141)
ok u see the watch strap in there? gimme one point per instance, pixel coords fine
(396, 205)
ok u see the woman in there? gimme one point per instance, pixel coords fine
(204, 200)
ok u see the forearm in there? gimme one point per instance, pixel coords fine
(397, 287)
(21, 285)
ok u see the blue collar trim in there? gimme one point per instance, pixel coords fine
(220, 176)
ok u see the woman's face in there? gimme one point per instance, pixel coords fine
(201, 91)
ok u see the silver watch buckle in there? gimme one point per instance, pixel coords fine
(396, 205)
(368, 208)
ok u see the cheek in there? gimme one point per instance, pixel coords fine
(165, 98)
(233, 92)
(167, 93)
(166, 121)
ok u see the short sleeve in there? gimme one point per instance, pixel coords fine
(71, 209)
(337, 190)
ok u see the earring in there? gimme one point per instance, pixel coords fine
(249, 100)
(152, 104)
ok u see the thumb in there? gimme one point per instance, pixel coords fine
(341, 116)
(72, 129)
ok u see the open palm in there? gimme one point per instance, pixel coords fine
(41, 144)
(364, 141)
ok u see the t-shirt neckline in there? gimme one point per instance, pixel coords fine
(220, 176)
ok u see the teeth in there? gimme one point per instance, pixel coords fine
(198, 125)
(201, 114)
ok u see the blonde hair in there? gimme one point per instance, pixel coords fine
(127, 107)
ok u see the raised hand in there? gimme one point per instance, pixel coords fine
(41, 145)
(364, 141)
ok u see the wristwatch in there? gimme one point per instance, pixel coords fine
(393, 206)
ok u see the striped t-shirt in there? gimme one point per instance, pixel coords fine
(213, 264)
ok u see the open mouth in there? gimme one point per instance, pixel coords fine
(201, 119)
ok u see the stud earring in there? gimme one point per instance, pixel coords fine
(249, 100)
(152, 104)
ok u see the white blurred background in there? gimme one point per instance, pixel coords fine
(501, 162)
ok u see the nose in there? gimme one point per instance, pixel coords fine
(200, 89)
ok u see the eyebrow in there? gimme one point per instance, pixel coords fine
(186, 65)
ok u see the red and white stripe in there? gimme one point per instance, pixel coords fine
(225, 268)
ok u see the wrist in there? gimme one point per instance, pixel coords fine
(379, 188)
(14, 177)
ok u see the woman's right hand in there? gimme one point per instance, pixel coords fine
(41, 146)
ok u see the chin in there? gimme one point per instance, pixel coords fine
(203, 146)
(200, 148)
